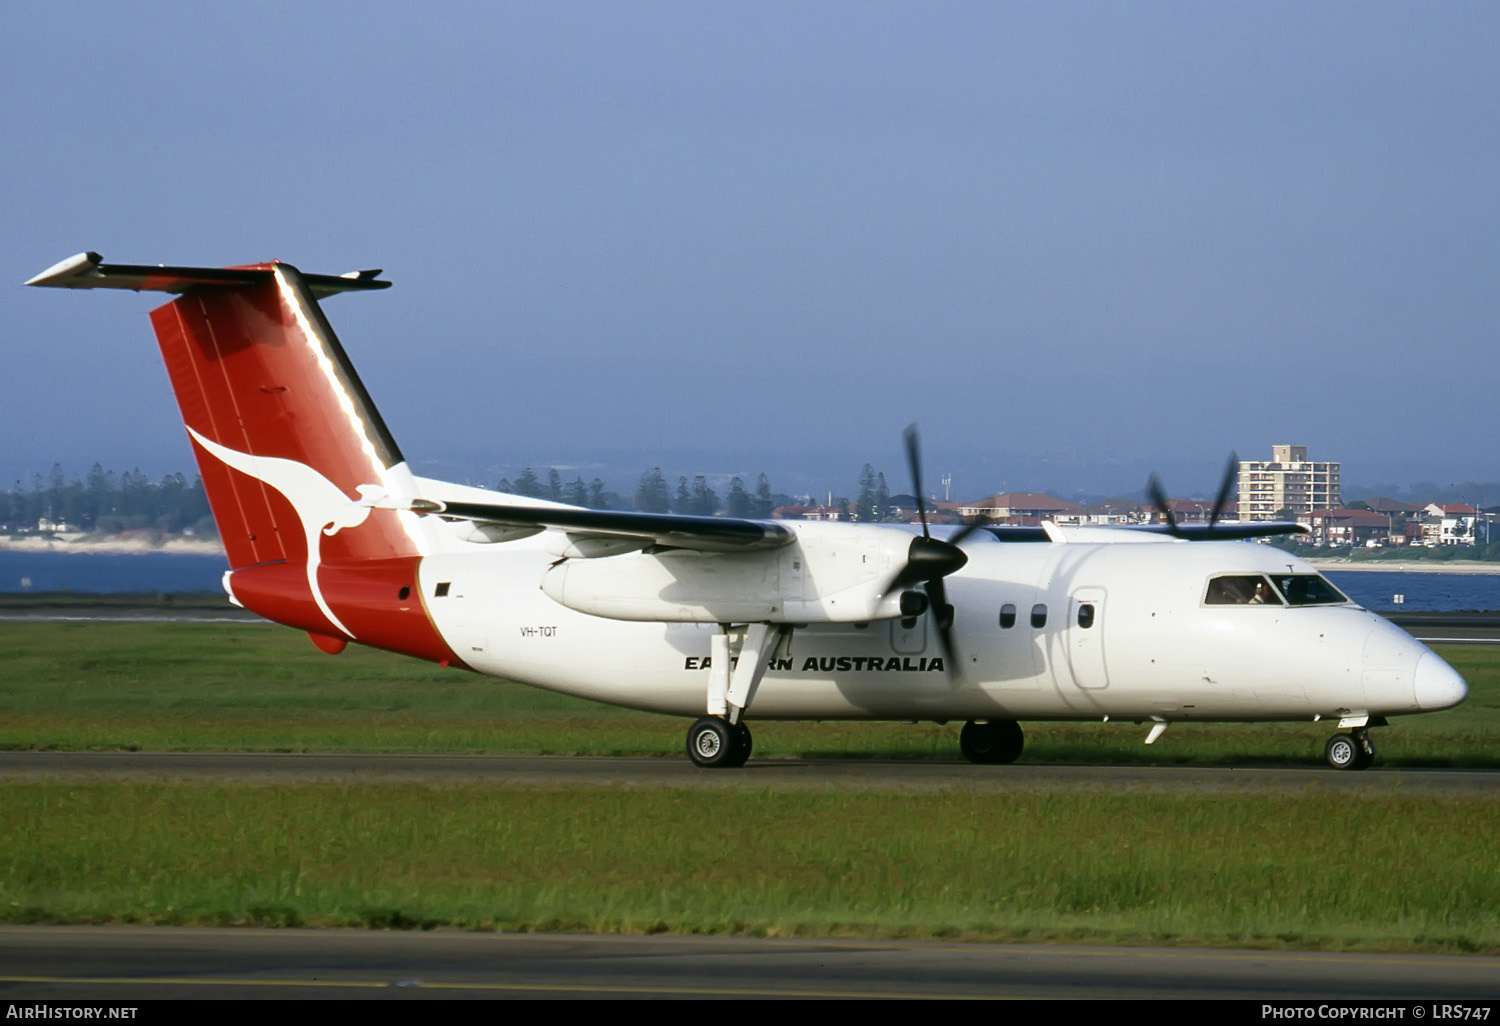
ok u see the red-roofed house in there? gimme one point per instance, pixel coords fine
(1382, 504)
(1197, 511)
(1347, 527)
(810, 513)
(1109, 512)
(1016, 507)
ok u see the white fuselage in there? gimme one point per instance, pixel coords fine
(1152, 646)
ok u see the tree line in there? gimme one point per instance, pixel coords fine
(654, 494)
(108, 502)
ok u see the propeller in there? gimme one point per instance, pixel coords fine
(1159, 499)
(929, 559)
(1231, 471)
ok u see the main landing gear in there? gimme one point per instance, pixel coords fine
(715, 743)
(991, 743)
(1351, 751)
(738, 657)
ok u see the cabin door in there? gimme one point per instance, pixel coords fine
(1085, 634)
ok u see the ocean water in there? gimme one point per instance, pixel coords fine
(1436, 593)
(155, 572)
(105, 572)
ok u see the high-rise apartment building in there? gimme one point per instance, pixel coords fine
(1287, 482)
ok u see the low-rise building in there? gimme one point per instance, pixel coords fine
(1197, 511)
(1449, 523)
(1017, 507)
(802, 512)
(1350, 527)
(1110, 512)
(1382, 504)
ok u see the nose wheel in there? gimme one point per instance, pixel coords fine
(1352, 751)
(715, 743)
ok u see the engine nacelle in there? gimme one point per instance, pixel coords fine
(824, 576)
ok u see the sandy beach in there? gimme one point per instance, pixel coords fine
(83, 544)
(1413, 567)
(118, 544)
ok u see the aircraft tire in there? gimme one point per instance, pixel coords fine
(743, 742)
(711, 743)
(1344, 752)
(995, 743)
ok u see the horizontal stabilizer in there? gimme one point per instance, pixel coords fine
(704, 534)
(88, 271)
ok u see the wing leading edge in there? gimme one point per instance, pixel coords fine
(703, 534)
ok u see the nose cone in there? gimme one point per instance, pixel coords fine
(1438, 685)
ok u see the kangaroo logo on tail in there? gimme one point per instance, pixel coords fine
(321, 506)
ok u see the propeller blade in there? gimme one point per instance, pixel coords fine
(914, 466)
(942, 616)
(1159, 499)
(971, 525)
(1230, 473)
(930, 559)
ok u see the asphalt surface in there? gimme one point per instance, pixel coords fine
(1450, 628)
(124, 964)
(760, 774)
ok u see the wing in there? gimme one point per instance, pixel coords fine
(1233, 530)
(665, 530)
(1222, 531)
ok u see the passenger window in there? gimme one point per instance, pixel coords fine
(1241, 590)
(1039, 615)
(1008, 615)
(1086, 615)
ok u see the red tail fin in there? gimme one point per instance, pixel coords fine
(303, 477)
(285, 435)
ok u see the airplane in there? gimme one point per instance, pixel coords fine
(329, 531)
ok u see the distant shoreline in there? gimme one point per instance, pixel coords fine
(1415, 566)
(114, 545)
(135, 545)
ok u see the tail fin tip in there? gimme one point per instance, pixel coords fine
(89, 271)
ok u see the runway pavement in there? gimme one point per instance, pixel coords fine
(761, 774)
(125, 964)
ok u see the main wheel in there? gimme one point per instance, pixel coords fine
(1344, 752)
(740, 734)
(995, 743)
(711, 743)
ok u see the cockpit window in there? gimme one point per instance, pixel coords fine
(1309, 590)
(1241, 590)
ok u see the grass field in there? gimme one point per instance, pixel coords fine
(1325, 870)
(210, 687)
(1398, 873)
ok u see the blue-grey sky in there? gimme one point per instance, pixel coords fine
(1073, 240)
